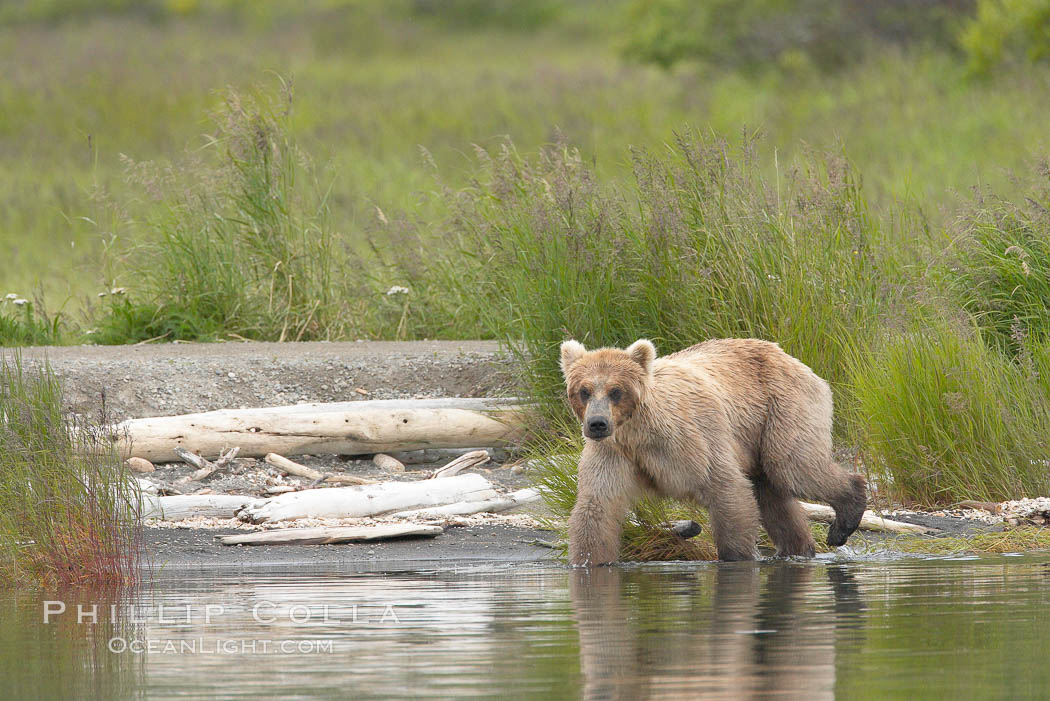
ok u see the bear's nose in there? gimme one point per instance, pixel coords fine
(598, 426)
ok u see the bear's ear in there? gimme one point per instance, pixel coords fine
(643, 352)
(571, 351)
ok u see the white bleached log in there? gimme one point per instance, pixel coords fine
(494, 505)
(145, 486)
(463, 462)
(348, 428)
(370, 499)
(178, 508)
(292, 468)
(331, 534)
(190, 458)
(869, 522)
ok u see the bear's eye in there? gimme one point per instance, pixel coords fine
(584, 395)
(616, 395)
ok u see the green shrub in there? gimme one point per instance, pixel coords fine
(757, 33)
(942, 417)
(1006, 31)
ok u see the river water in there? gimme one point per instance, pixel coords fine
(959, 628)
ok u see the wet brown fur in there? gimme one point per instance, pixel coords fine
(735, 425)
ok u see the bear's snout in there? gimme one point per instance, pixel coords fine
(598, 427)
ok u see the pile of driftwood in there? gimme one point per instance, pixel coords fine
(351, 428)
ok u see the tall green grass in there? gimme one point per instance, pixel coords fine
(67, 503)
(241, 246)
(999, 266)
(562, 229)
(943, 418)
(701, 244)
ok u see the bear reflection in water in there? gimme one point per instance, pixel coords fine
(733, 631)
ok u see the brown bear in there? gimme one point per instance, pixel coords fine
(735, 425)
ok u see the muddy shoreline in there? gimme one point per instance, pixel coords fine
(177, 548)
(199, 548)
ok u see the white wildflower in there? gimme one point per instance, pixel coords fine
(11, 296)
(397, 290)
(117, 291)
(20, 301)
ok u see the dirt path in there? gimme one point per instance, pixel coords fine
(166, 379)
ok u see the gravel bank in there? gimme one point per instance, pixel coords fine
(182, 378)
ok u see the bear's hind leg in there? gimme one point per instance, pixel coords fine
(824, 481)
(796, 459)
(849, 504)
(784, 521)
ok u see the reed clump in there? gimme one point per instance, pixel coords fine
(68, 507)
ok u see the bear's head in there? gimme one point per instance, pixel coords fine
(607, 385)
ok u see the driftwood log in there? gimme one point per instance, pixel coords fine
(331, 534)
(494, 505)
(869, 522)
(370, 499)
(347, 428)
(466, 461)
(293, 468)
(205, 468)
(178, 508)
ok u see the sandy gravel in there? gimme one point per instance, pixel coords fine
(180, 378)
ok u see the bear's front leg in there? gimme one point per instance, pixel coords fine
(734, 518)
(604, 496)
